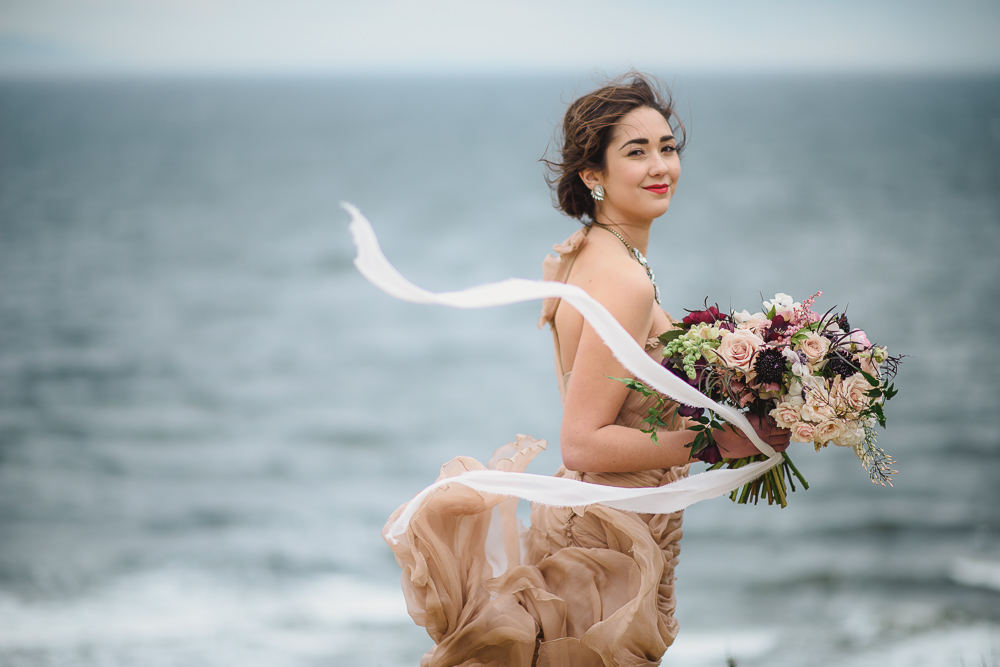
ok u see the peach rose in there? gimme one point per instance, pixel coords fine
(868, 364)
(739, 348)
(803, 432)
(787, 412)
(815, 348)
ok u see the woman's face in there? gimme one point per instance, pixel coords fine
(641, 169)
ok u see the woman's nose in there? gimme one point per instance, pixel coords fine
(658, 165)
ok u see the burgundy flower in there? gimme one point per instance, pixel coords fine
(707, 316)
(689, 411)
(777, 328)
(709, 455)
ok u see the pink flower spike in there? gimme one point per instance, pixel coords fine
(804, 313)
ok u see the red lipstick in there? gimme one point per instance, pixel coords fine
(658, 188)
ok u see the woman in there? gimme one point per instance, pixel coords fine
(585, 586)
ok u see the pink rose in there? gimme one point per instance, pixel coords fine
(858, 337)
(739, 348)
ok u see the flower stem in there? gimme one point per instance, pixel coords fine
(795, 471)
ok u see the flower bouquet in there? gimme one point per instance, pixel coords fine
(809, 373)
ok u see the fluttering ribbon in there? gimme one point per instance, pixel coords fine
(559, 491)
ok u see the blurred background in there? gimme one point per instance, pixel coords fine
(206, 414)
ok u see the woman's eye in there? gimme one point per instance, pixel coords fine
(670, 149)
(636, 151)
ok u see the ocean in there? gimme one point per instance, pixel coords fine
(206, 414)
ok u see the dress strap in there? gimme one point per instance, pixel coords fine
(557, 269)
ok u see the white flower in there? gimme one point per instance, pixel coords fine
(706, 331)
(745, 316)
(780, 302)
(794, 391)
(800, 364)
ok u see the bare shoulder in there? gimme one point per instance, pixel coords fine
(613, 278)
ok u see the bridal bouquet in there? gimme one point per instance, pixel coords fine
(812, 374)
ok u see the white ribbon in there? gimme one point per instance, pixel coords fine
(556, 490)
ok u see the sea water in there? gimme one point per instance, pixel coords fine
(206, 414)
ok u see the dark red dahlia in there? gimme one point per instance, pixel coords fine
(777, 328)
(707, 316)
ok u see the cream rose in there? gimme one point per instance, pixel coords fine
(739, 347)
(852, 437)
(787, 413)
(803, 432)
(849, 395)
(815, 348)
(817, 412)
(828, 430)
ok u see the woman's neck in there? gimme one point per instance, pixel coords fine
(635, 233)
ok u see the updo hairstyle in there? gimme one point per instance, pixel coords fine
(586, 133)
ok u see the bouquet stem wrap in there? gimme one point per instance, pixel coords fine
(373, 265)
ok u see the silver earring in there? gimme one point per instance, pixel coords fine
(597, 193)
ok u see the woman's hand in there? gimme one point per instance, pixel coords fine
(734, 445)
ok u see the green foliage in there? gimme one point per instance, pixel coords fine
(654, 420)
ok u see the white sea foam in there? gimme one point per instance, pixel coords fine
(711, 649)
(978, 573)
(317, 617)
(972, 646)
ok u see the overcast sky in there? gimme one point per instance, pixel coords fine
(402, 36)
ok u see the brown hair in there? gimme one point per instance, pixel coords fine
(587, 129)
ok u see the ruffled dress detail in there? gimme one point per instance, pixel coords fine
(581, 587)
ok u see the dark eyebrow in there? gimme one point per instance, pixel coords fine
(664, 139)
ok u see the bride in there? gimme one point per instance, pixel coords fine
(584, 586)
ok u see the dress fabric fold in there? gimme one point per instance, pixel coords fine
(581, 587)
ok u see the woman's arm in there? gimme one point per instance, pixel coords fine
(590, 439)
